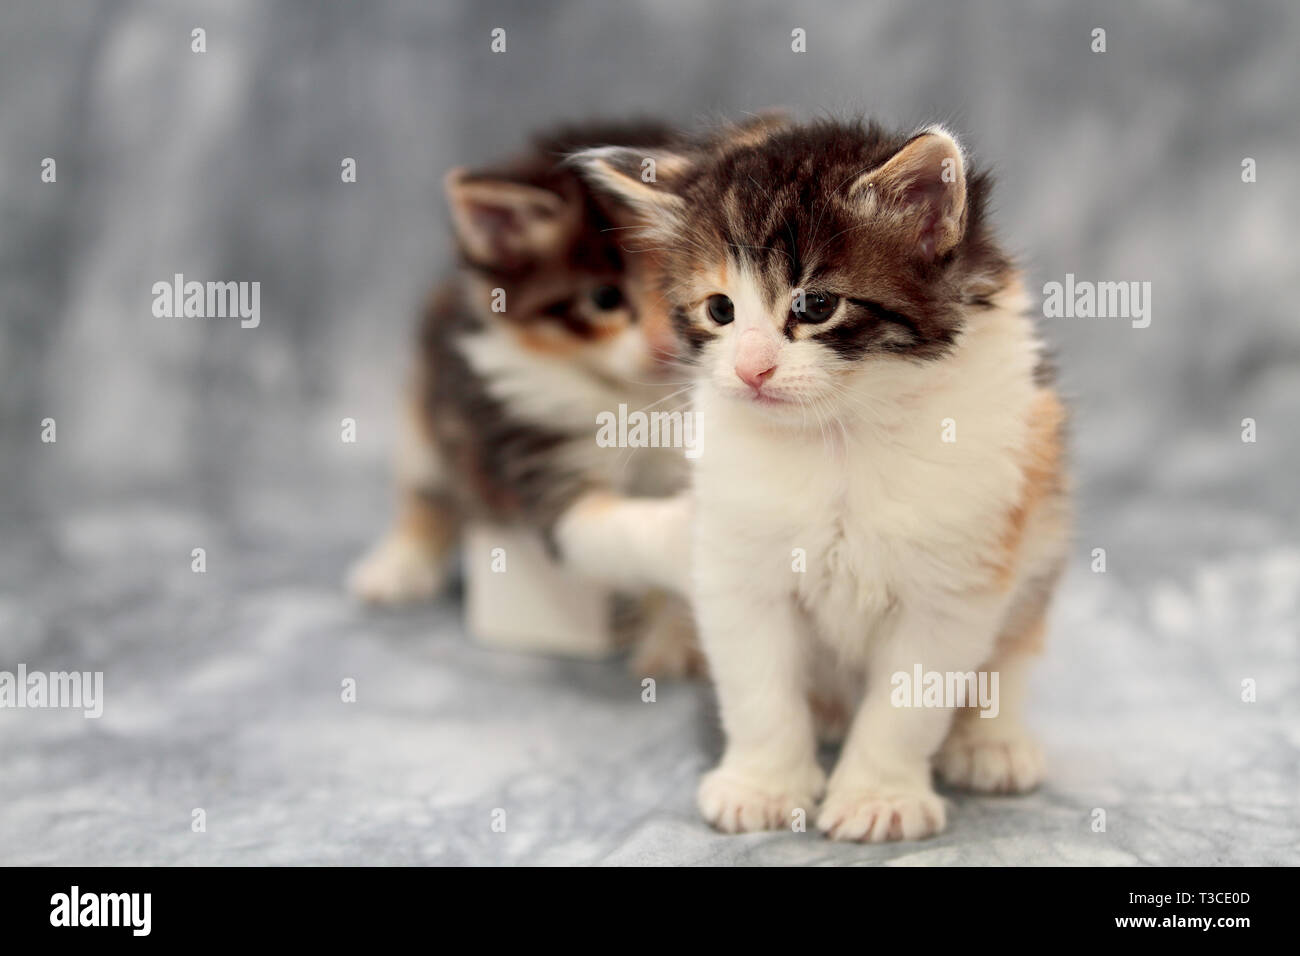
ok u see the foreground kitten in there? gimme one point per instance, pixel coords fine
(883, 486)
(548, 324)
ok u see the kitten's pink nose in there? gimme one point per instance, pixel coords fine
(756, 355)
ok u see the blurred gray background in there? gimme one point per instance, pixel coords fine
(222, 689)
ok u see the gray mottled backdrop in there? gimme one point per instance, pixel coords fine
(222, 689)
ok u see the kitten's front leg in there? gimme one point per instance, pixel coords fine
(881, 788)
(626, 541)
(754, 642)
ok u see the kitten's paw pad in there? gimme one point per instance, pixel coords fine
(875, 816)
(397, 571)
(734, 803)
(991, 765)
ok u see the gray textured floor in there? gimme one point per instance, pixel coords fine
(222, 692)
(222, 689)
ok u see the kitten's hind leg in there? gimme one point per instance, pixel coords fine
(668, 645)
(410, 562)
(996, 753)
(989, 749)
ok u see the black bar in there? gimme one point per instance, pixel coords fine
(304, 905)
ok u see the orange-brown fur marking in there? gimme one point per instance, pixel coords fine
(1041, 466)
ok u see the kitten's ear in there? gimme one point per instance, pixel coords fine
(924, 185)
(504, 223)
(646, 180)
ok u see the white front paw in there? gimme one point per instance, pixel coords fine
(736, 802)
(399, 569)
(1011, 763)
(874, 816)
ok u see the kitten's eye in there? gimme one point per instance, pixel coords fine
(720, 309)
(817, 307)
(607, 297)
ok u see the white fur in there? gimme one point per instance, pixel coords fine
(399, 568)
(897, 527)
(626, 542)
(629, 542)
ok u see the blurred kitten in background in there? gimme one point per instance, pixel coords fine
(548, 323)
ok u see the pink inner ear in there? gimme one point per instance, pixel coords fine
(502, 229)
(509, 222)
(493, 220)
(930, 198)
(926, 242)
(925, 190)
(928, 239)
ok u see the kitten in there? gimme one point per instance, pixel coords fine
(547, 324)
(883, 488)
